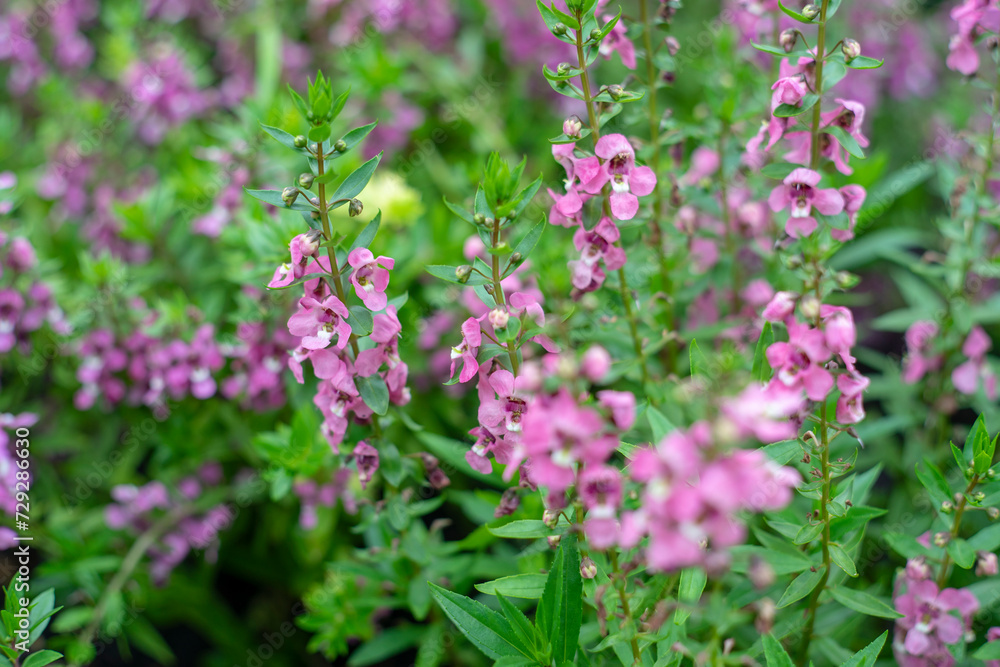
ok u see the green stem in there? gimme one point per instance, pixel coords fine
(595, 132)
(824, 513)
(130, 562)
(338, 286)
(955, 525)
(820, 55)
(621, 584)
(498, 294)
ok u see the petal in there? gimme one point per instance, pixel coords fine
(802, 175)
(642, 181)
(624, 205)
(778, 199)
(611, 145)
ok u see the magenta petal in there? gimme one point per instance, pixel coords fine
(611, 145)
(778, 199)
(642, 181)
(828, 202)
(799, 227)
(624, 205)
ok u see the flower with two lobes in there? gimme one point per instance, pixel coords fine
(626, 178)
(799, 193)
(370, 277)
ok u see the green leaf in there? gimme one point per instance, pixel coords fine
(527, 529)
(795, 15)
(453, 452)
(40, 658)
(761, 371)
(864, 62)
(560, 611)
(487, 630)
(526, 586)
(552, 16)
(374, 393)
(906, 546)
(367, 235)
(978, 435)
(990, 651)
(319, 134)
(448, 273)
(935, 483)
(789, 110)
(284, 138)
(689, 590)
(962, 553)
(866, 657)
(864, 603)
(775, 653)
(780, 52)
(355, 183)
(659, 423)
(353, 138)
(530, 240)
(699, 363)
(959, 458)
(273, 197)
(524, 631)
(360, 320)
(849, 143)
(800, 587)
(386, 644)
(843, 560)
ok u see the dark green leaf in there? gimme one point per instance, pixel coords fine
(843, 560)
(273, 197)
(356, 182)
(374, 393)
(487, 630)
(689, 590)
(367, 235)
(761, 371)
(527, 586)
(560, 611)
(775, 653)
(866, 657)
(849, 143)
(864, 62)
(789, 110)
(41, 658)
(800, 587)
(863, 602)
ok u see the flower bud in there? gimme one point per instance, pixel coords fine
(479, 219)
(810, 307)
(314, 201)
(616, 92)
(917, 569)
(788, 38)
(550, 518)
(289, 195)
(845, 279)
(942, 539)
(498, 318)
(515, 258)
(810, 11)
(979, 496)
(462, 273)
(596, 363)
(306, 180)
(851, 49)
(554, 540)
(673, 46)
(559, 29)
(355, 208)
(310, 116)
(563, 69)
(310, 242)
(340, 146)
(993, 513)
(488, 287)
(990, 474)
(572, 126)
(588, 568)
(986, 564)
(595, 34)
(947, 507)
(299, 141)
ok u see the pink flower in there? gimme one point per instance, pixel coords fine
(850, 409)
(800, 363)
(800, 193)
(854, 197)
(781, 307)
(617, 41)
(370, 277)
(596, 363)
(622, 407)
(627, 180)
(788, 90)
(317, 322)
(600, 489)
(595, 245)
(967, 375)
(919, 339)
(367, 461)
(467, 349)
(704, 163)
(929, 624)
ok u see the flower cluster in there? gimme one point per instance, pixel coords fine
(586, 176)
(933, 617)
(974, 17)
(321, 322)
(144, 508)
(26, 304)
